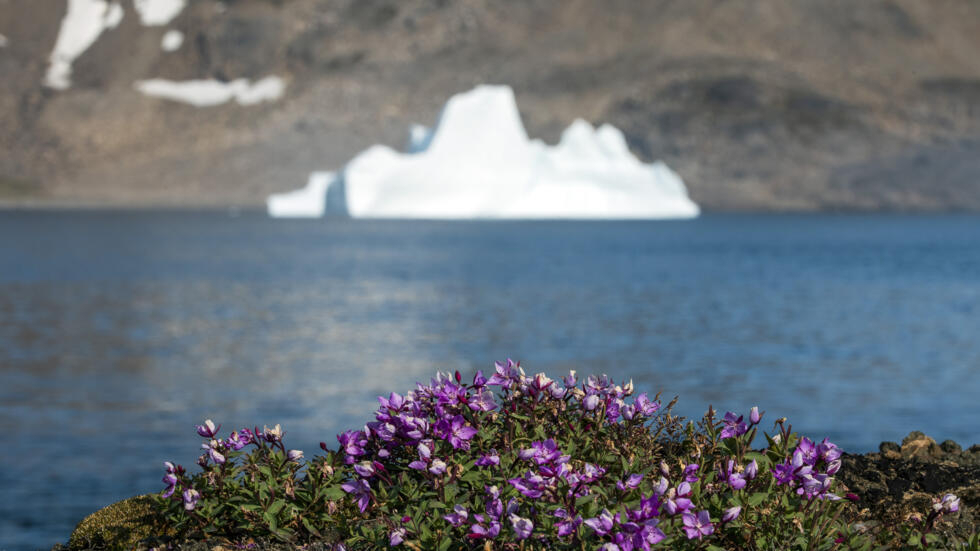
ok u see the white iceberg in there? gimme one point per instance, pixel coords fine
(309, 202)
(478, 162)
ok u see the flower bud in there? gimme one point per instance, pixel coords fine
(294, 455)
(191, 497)
(950, 503)
(272, 435)
(754, 415)
(664, 469)
(751, 470)
(731, 514)
(208, 430)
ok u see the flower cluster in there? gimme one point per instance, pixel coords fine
(512, 460)
(810, 469)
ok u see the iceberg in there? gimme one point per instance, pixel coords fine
(478, 162)
(309, 202)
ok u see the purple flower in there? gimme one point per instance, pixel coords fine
(532, 485)
(950, 503)
(361, 491)
(170, 479)
(237, 441)
(808, 450)
(365, 469)
(603, 524)
(731, 513)
(482, 401)
(678, 501)
(294, 455)
(505, 373)
(734, 479)
(522, 526)
(191, 497)
(828, 451)
(208, 430)
(570, 379)
(438, 466)
(568, 524)
(353, 443)
(755, 416)
(752, 470)
(612, 410)
(542, 452)
(691, 473)
(394, 402)
(733, 426)
(479, 381)
(632, 482)
(456, 431)
(458, 516)
(213, 448)
(272, 435)
(591, 402)
(645, 405)
(698, 526)
(479, 531)
(488, 459)
(397, 536)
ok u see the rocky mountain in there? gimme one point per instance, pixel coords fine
(759, 105)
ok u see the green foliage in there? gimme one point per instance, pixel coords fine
(536, 466)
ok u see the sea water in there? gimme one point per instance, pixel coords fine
(121, 330)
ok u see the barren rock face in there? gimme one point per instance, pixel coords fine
(900, 480)
(758, 105)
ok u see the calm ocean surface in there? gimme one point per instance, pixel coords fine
(120, 330)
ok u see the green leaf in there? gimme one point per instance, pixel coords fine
(276, 506)
(334, 493)
(309, 527)
(757, 498)
(270, 520)
(451, 491)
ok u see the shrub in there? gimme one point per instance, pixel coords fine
(518, 462)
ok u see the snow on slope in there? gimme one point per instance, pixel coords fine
(155, 13)
(84, 21)
(172, 40)
(207, 93)
(479, 163)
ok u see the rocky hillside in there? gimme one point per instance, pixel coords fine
(765, 105)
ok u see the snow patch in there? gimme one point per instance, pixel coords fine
(309, 202)
(84, 21)
(207, 93)
(479, 163)
(172, 40)
(155, 13)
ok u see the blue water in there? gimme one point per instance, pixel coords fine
(119, 331)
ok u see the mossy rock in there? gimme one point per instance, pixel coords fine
(119, 526)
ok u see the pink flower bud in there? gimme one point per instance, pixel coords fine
(731, 514)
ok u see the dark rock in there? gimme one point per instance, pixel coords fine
(949, 446)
